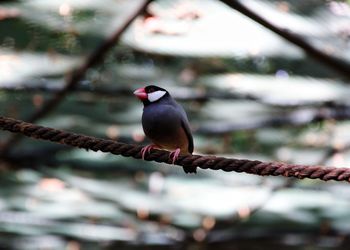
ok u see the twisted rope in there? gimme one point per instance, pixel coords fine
(204, 162)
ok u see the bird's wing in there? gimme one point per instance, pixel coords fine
(186, 128)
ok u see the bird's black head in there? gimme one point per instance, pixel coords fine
(150, 94)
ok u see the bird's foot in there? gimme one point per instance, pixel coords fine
(174, 155)
(147, 149)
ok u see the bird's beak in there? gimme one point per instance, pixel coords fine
(141, 94)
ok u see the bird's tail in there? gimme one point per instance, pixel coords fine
(190, 170)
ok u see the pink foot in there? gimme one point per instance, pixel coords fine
(174, 155)
(147, 149)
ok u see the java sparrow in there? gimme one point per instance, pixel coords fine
(165, 123)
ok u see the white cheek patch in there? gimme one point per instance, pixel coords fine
(155, 96)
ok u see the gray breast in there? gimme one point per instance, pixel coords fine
(161, 122)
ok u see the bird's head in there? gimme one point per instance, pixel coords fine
(150, 94)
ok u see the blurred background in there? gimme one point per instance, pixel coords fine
(248, 94)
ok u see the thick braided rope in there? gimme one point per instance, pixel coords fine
(205, 162)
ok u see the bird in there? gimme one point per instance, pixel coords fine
(165, 123)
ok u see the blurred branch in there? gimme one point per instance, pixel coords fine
(91, 231)
(34, 158)
(331, 151)
(255, 209)
(183, 94)
(122, 90)
(336, 64)
(92, 60)
(296, 118)
(204, 162)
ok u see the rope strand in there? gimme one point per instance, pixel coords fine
(204, 162)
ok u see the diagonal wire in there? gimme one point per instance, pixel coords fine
(93, 59)
(334, 63)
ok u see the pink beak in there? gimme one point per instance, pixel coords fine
(141, 94)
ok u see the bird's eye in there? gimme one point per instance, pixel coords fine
(151, 90)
